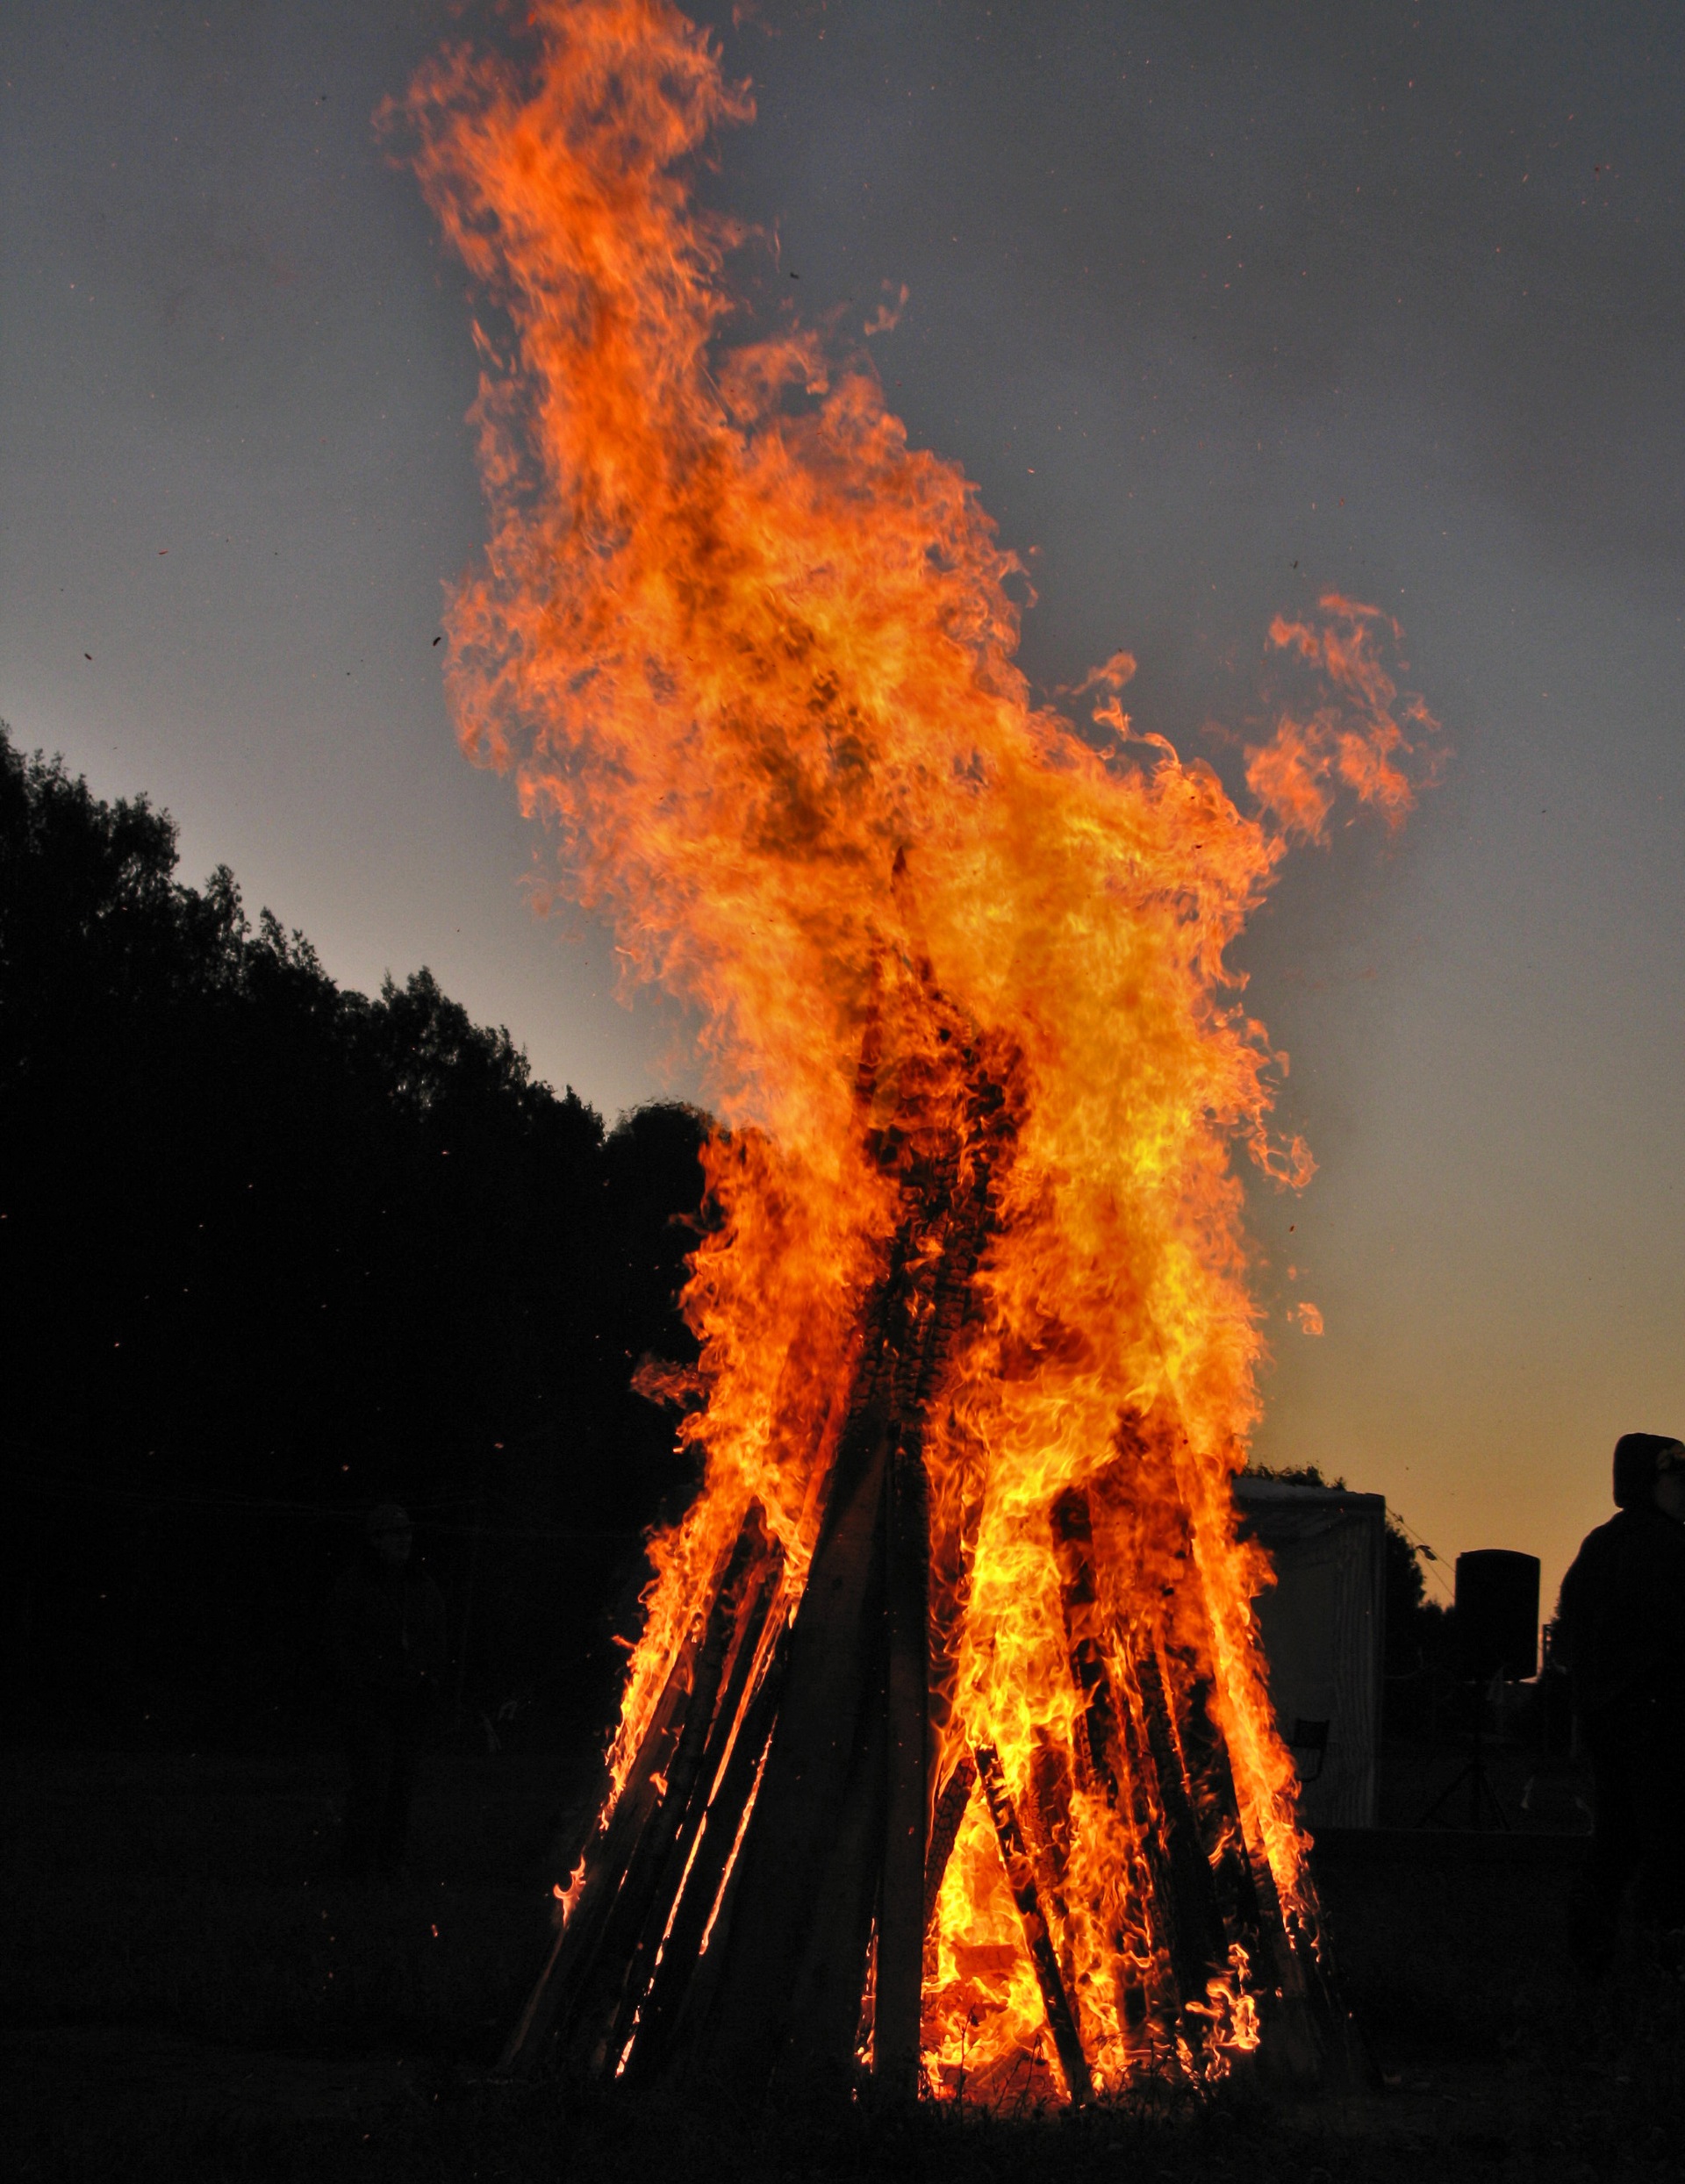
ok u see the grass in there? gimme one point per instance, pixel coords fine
(187, 1989)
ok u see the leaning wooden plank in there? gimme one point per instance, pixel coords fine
(681, 1987)
(1020, 1879)
(900, 1908)
(817, 2053)
(1307, 2042)
(1211, 1779)
(606, 1860)
(1151, 1991)
(944, 1830)
(1116, 1760)
(1201, 1946)
(593, 2010)
(608, 1854)
(785, 1853)
(754, 1602)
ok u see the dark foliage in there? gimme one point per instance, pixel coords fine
(1420, 1657)
(270, 1250)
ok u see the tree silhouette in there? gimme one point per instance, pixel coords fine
(270, 1248)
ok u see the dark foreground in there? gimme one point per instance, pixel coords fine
(188, 1990)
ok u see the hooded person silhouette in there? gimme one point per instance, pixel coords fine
(1621, 1624)
(389, 1645)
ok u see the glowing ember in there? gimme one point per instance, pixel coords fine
(961, 978)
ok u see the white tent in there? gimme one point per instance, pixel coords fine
(1323, 1628)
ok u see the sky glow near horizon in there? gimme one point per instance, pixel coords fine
(1373, 299)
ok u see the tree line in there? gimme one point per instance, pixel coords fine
(271, 1249)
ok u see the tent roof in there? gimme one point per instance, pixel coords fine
(1250, 1488)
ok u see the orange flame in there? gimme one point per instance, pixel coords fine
(752, 656)
(565, 1900)
(1291, 776)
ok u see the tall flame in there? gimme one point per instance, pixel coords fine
(752, 656)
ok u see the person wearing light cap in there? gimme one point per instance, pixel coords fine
(389, 1642)
(1621, 1625)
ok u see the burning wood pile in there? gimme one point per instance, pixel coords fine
(946, 1751)
(761, 1900)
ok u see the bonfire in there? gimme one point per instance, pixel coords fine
(945, 1752)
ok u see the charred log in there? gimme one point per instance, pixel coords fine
(899, 1970)
(1020, 1879)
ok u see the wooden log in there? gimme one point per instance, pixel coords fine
(956, 1518)
(1135, 1772)
(1201, 1946)
(606, 1858)
(1111, 1770)
(606, 2003)
(1020, 1879)
(906, 1814)
(819, 2051)
(956, 1209)
(1044, 1812)
(1306, 2037)
(765, 1612)
(835, 1672)
(945, 1832)
(1155, 1994)
(583, 1981)
(684, 1976)
(1211, 1780)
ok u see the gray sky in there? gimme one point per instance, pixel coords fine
(1224, 306)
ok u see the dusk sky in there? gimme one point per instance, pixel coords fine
(1225, 306)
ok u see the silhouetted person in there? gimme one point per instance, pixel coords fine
(389, 1637)
(1622, 1619)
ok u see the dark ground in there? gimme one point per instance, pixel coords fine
(188, 1990)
